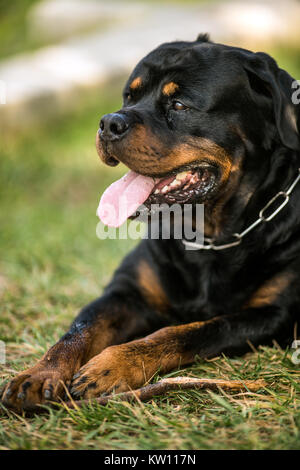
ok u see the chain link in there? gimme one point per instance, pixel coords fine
(209, 242)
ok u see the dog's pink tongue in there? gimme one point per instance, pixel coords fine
(122, 198)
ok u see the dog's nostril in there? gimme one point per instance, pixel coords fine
(118, 125)
(113, 126)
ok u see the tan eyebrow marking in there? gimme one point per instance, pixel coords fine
(136, 83)
(170, 88)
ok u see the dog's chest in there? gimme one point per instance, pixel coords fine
(201, 292)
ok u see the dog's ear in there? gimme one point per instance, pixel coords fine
(266, 77)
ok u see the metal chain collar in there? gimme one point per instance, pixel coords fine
(238, 237)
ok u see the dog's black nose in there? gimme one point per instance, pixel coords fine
(113, 126)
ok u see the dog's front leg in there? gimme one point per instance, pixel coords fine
(129, 366)
(112, 319)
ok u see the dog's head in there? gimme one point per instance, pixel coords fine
(192, 113)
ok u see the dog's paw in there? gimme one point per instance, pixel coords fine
(34, 386)
(117, 369)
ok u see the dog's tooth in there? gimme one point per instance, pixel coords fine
(165, 189)
(174, 183)
(182, 175)
(156, 191)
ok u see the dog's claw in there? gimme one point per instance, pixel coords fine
(75, 393)
(8, 392)
(47, 394)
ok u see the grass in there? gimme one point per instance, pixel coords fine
(183, 420)
(52, 263)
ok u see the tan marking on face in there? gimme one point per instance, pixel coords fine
(136, 83)
(268, 292)
(201, 149)
(151, 287)
(144, 153)
(170, 88)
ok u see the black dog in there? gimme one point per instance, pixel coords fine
(223, 121)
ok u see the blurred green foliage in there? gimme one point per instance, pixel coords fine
(288, 58)
(14, 32)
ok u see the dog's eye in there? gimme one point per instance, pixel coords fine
(127, 96)
(178, 106)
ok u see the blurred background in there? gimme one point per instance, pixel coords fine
(62, 65)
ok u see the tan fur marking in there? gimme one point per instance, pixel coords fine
(136, 83)
(201, 149)
(151, 287)
(269, 291)
(145, 154)
(170, 88)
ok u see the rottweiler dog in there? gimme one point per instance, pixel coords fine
(201, 123)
